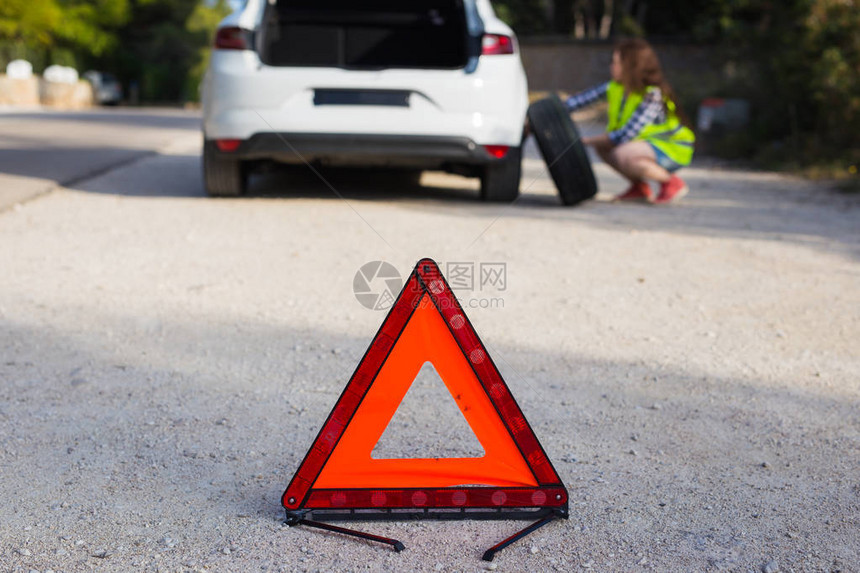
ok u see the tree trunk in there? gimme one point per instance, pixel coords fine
(579, 27)
(606, 19)
(587, 10)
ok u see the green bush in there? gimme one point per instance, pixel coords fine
(801, 72)
(833, 49)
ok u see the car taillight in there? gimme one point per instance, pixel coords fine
(497, 151)
(493, 44)
(228, 145)
(231, 38)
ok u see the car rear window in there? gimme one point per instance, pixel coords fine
(371, 34)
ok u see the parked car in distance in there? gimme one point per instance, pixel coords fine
(107, 90)
(423, 84)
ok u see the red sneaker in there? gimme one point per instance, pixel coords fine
(638, 191)
(671, 191)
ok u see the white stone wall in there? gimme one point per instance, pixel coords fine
(36, 91)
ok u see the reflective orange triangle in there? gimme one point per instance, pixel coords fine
(425, 338)
(425, 324)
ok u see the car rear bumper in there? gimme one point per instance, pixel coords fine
(371, 150)
(242, 97)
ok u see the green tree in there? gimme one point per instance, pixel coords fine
(165, 45)
(524, 16)
(202, 24)
(31, 22)
(59, 31)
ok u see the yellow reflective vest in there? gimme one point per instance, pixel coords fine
(672, 137)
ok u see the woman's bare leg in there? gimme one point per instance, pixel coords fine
(636, 161)
(607, 154)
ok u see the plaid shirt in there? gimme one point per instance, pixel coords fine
(651, 110)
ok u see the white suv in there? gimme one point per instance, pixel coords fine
(406, 84)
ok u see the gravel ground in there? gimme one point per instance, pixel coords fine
(167, 359)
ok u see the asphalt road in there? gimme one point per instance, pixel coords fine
(40, 149)
(166, 359)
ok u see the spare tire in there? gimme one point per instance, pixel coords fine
(562, 150)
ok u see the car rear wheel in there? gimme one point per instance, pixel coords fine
(500, 181)
(562, 149)
(223, 176)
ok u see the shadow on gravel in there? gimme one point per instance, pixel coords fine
(156, 429)
(721, 204)
(300, 182)
(68, 147)
(180, 176)
(66, 165)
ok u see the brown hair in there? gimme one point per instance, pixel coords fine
(641, 68)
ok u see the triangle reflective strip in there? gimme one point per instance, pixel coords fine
(426, 323)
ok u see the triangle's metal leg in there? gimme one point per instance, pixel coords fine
(397, 545)
(491, 552)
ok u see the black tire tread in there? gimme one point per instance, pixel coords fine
(500, 181)
(222, 176)
(559, 142)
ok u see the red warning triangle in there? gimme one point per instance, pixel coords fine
(426, 324)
